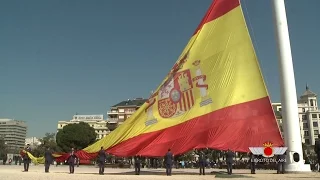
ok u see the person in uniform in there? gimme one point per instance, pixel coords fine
(168, 160)
(26, 158)
(252, 163)
(317, 150)
(202, 163)
(101, 160)
(71, 160)
(229, 160)
(48, 160)
(280, 163)
(137, 162)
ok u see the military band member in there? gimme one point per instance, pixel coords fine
(229, 159)
(137, 164)
(169, 161)
(101, 160)
(48, 160)
(71, 160)
(26, 158)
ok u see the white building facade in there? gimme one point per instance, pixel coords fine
(95, 121)
(309, 116)
(14, 133)
(32, 141)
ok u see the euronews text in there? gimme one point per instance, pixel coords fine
(268, 160)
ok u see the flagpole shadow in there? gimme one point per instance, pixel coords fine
(224, 174)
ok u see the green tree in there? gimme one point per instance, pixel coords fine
(188, 156)
(216, 154)
(48, 141)
(3, 149)
(308, 150)
(242, 155)
(77, 136)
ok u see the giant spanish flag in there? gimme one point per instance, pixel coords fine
(214, 97)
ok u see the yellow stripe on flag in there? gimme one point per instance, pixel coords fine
(232, 75)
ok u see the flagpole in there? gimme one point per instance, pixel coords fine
(290, 117)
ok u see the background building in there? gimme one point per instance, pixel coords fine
(14, 133)
(33, 141)
(120, 112)
(96, 121)
(309, 116)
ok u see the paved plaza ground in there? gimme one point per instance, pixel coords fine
(14, 172)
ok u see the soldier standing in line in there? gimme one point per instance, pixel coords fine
(252, 163)
(48, 160)
(71, 159)
(102, 158)
(169, 160)
(280, 163)
(137, 161)
(26, 158)
(229, 160)
(202, 163)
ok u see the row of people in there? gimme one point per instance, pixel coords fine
(168, 160)
(48, 159)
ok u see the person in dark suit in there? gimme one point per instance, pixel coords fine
(101, 160)
(26, 158)
(280, 163)
(48, 160)
(137, 162)
(317, 149)
(229, 159)
(252, 163)
(71, 160)
(202, 163)
(168, 160)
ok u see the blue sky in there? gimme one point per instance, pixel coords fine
(62, 57)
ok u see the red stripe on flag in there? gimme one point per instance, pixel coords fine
(233, 127)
